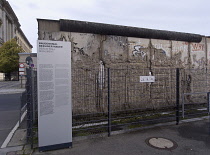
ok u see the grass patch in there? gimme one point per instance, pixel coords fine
(89, 131)
(133, 126)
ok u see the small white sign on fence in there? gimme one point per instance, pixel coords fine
(147, 78)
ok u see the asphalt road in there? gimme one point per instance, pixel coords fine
(9, 114)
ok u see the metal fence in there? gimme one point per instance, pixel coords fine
(137, 104)
(108, 100)
(29, 106)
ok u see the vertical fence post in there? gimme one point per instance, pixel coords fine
(31, 104)
(109, 106)
(28, 103)
(183, 103)
(21, 101)
(21, 81)
(177, 95)
(33, 89)
(208, 106)
(29, 108)
(208, 100)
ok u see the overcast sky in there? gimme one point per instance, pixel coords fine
(191, 16)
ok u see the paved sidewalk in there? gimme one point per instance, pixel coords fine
(192, 139)
(6, 151)
(18, 145)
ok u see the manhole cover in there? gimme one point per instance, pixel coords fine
(161, 143)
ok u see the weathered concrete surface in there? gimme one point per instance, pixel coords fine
(198, 54)
(89, 49)
(208, 50)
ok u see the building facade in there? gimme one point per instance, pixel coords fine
(10, 27)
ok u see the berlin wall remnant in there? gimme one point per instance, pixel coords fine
(131, 49)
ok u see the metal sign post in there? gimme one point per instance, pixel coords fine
(21, 71)
(208, 100)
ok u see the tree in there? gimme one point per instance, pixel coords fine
(9, 58)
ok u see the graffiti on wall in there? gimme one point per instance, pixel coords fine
(158, 46)
(197, 47)
(180, 48)
(79, 50)
(199, 62)
(117, 38)
(118, 41)
(161, 48)
(138, 51)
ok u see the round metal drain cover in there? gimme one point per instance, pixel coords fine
(161, 143)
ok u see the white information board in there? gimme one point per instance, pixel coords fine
(54, 94)
(147, 78)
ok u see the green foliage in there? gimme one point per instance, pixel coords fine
(9, 58)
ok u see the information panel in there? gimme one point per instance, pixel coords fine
(54, 94)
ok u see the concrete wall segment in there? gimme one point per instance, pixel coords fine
(208, 50)
(161, 54)
(198, 54)
(85, 50)
(85, 47)
(139, 50)
(48, 25)
(180, 54)
(114, 49)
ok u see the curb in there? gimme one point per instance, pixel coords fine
(12, 91)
